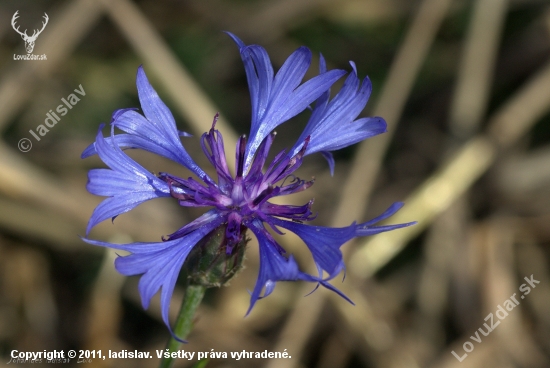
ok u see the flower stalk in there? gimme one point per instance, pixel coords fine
(184, 323)
(211, 263)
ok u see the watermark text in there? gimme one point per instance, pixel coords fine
(501, 313)
(52, 118)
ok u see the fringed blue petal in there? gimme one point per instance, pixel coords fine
(333, 125)
(277, 99)
(155, 132)
(275, 266)
(386, 214)
(324, 242)
(127, 183)
(260, 75)
(330, 160)
(344, 136)
(287, 106)
(159, 264)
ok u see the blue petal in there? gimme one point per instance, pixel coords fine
(307, 93)
(137, 141)
(263, 72)
(367, 228)
(287, 106)
(330, 160)
(343, 136)
(325, 242)
(386, 214)
(277, 99)
(156, 132)
(332, 125)
(116, 205)
(258, 96)
(289, 77)
(164, 133)
(160, 264)
(273, 266)
(127, 184)
(322, 101)
(203, 220)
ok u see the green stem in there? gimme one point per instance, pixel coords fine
(184, 323)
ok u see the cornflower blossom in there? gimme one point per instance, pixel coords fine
(237, 202)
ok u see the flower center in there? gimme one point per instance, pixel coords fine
(243, 198)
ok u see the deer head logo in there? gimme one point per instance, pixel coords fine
(29, 40)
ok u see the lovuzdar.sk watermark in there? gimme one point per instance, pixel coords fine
(52, 118)
(29, 40)
(501, 313)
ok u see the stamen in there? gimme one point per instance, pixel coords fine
(262, 195)
(216, 117)
(304, 146)
(170, 182)
(241, 145)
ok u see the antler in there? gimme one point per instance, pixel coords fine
(15, 16)
(35, 35)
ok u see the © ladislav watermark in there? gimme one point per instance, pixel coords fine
(25, 144)
(501, 313)
(29, 40)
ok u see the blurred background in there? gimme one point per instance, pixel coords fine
(465, 89)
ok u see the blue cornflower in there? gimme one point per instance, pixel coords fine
(237, 202)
